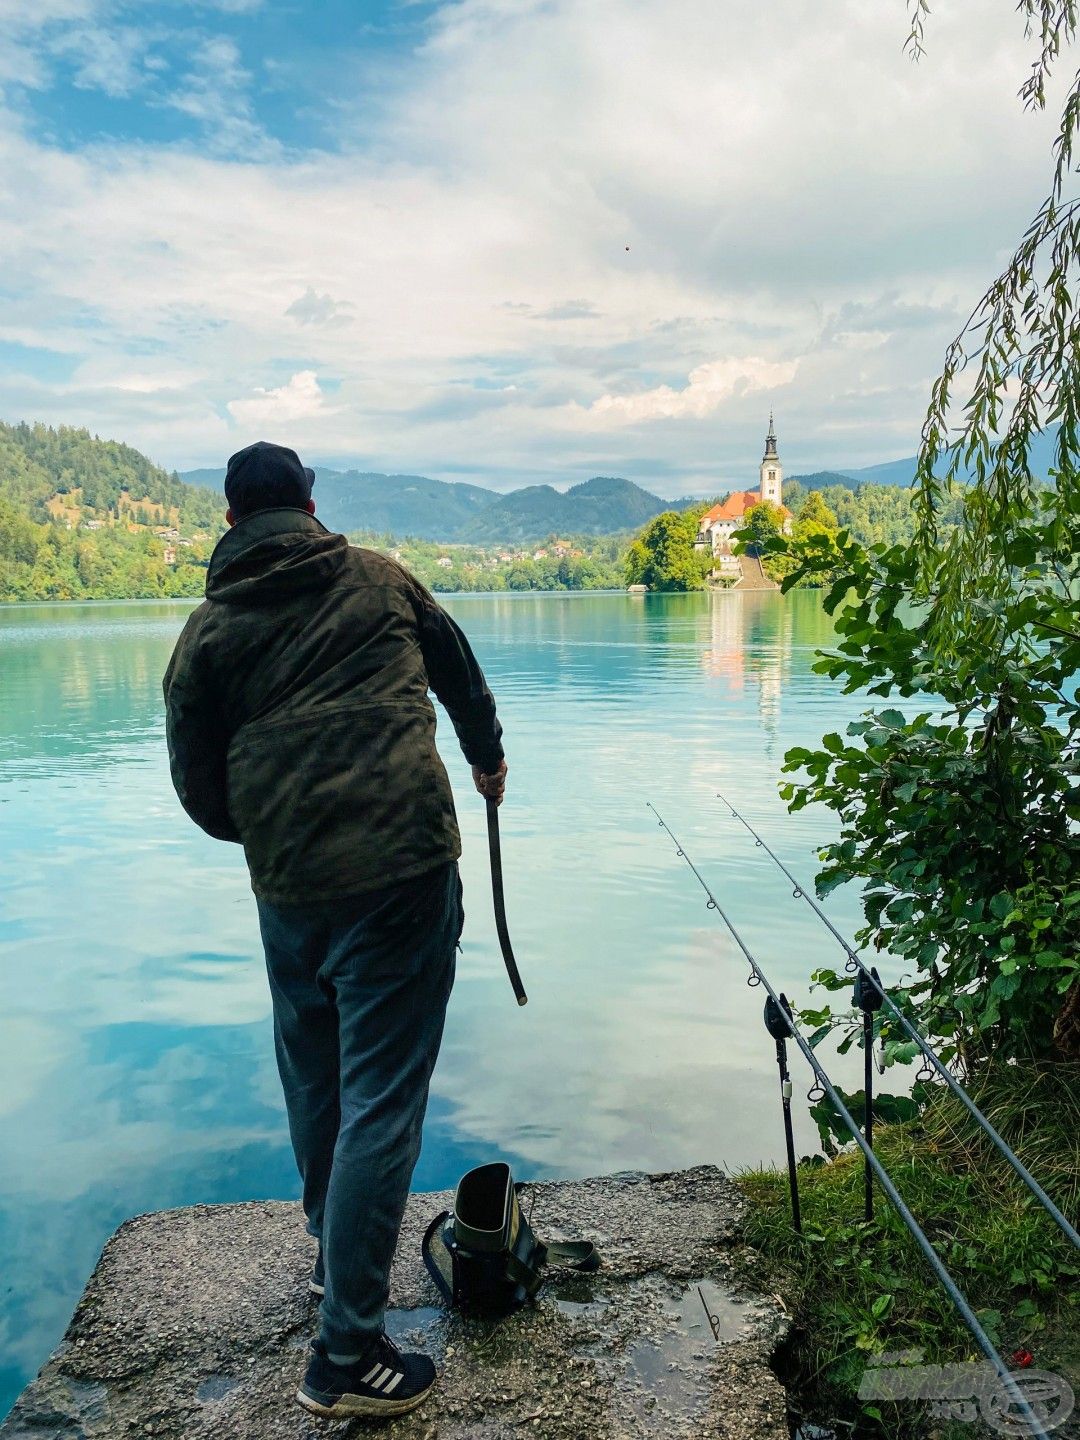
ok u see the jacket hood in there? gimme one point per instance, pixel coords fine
(274, 555)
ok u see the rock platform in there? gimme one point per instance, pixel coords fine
(196, 1322)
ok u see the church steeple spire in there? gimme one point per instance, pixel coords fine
(772, 474)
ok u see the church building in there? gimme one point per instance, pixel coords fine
(716, 526)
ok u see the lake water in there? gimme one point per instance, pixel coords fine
(136, 1061)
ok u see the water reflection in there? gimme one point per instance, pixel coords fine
(136, 1063)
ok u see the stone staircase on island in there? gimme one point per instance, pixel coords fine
(752, 576)
(741, 572)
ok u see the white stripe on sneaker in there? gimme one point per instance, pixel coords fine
(381, 1380)
(366, 1379)
(394, 1382)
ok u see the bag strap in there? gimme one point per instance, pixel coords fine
(529, 1277)
(445, 1290)
(579, 1254)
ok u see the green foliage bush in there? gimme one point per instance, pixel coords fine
(959, 815)
(48, 562)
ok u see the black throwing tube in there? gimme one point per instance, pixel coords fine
(499, 900)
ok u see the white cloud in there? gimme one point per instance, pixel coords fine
(709, 386)
(312, 308)
(567, 310)
(20, 67)
(216, 92)
(769, 213)
(299, 399)
(105, 59)
(17, 15)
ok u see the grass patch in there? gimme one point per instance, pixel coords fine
(855, 1289)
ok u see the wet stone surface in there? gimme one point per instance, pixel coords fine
(196, 1324)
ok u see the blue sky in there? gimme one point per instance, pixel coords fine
(506, 240)
(242, 78)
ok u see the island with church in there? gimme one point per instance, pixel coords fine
(718, 525)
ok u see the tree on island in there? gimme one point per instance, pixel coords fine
(762, 523)
(815, 517)
(663, 556)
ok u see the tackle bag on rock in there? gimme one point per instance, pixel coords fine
(483, 1255)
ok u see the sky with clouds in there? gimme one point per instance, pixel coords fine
(502, 240)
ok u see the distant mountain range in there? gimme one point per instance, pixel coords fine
(455, 512)
(902, 472)
(426, 509)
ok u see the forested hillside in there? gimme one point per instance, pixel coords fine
(583, 562)
(83, 518)
(875, 514)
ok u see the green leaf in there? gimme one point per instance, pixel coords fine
(901, 910)
(1006, 986)
(900, 1052)
(828, 882)
(1050, 959)
(1001, 904)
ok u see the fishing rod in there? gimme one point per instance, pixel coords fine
(855, 962)
(1008, 1380)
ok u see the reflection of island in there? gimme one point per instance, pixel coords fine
(750, 638)
(725, 657)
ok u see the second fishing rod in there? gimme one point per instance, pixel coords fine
(1009, 1386)
(871, 994)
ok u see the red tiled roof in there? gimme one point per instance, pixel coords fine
(734, 507)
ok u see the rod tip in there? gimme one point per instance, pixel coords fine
(523, 999)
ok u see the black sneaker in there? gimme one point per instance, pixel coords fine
(384, 1382)
(317, 1283)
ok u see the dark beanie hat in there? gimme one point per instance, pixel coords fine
(267, 477)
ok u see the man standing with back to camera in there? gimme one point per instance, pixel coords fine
(299, 724)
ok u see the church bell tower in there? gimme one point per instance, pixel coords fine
(772, 475)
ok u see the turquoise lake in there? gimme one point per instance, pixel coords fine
(136, 1057)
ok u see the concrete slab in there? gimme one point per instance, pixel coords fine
(196, 1322)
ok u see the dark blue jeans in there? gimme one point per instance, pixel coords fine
(360, 991)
